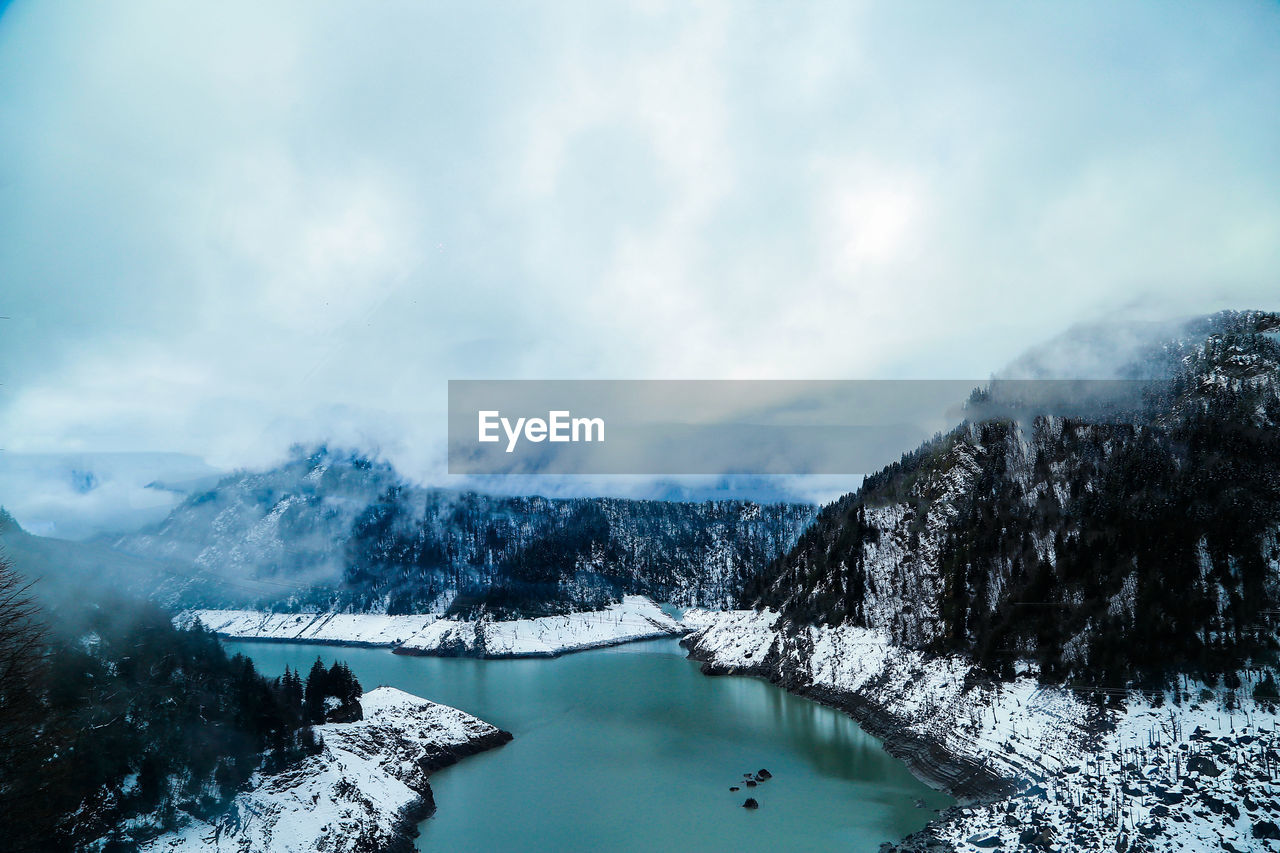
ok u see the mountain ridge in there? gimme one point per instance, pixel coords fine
(334, 530)
(968, 542)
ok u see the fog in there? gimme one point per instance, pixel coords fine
(233, 227)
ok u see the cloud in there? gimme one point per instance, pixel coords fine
(234, 226)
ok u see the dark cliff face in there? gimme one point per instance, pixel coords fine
(335, 530)
(1106, 548)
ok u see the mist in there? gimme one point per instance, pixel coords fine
(232, 228)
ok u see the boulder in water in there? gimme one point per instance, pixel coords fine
(751, 803)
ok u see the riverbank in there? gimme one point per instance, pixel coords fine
(365, 791)
(634, 618)
(1031, 765)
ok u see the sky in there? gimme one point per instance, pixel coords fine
(226, 228)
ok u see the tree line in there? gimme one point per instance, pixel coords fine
(115, 725)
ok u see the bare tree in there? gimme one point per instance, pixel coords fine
(22, 640)
(22, 718)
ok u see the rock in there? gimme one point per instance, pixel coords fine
(350, 713)
(734, 788)
(984, 842)
(751, 803)
(763, 774)
(751, 783)
(1266, 829)
(1203, 764)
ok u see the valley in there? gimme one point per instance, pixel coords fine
(1057, 631)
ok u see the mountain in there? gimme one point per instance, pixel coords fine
(336, 530)
(63, 572)
(1111, 546)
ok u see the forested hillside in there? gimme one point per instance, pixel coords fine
(1105, 549)
(330, 529)
(114, 725)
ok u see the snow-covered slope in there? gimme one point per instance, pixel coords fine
(1187, 770)
(348, 629)
(363, 792)
(634, 618)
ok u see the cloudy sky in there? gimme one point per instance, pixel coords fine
(228, 227)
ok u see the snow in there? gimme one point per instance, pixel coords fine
(634, 618)
(697, 617)
(1100, 778)
(353, 795)
(366, 629)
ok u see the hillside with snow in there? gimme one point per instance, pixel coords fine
(1035, 765)
(365, 791)
(1106, 546)
(1069, 621)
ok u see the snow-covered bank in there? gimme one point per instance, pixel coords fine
(1038, 765)
(634, 618)
(364, 792)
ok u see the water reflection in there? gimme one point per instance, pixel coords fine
(631, 748)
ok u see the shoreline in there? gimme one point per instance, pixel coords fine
(543, 655)
(415, 813)
(1030, 765)
(633, 619)
(418, 653)
(932, 763)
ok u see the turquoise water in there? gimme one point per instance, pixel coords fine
(632, 748)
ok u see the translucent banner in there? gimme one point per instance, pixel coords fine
(669, 427)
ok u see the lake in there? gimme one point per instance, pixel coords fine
(632, 748)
